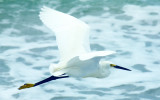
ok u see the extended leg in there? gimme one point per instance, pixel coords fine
(29, 85)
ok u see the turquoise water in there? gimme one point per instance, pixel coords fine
(129, 27)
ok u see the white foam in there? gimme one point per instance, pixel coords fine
(10, 31)
(5, 21)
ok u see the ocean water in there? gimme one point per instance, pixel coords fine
(129, 27)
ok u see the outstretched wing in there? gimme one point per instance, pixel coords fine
(72, 35)
(98, 54)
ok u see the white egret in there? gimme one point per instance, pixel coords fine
(77, 60)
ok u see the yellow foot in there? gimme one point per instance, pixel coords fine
(27, 85)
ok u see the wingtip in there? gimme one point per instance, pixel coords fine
(43, 10)
(44, 7)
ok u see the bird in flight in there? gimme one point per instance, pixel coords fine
(76, 58)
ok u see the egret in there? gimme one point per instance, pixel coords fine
(76, 58)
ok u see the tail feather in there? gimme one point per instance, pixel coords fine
(55, 70)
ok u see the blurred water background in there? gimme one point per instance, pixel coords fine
(129, 27)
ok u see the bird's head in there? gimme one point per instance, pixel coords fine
(107, 65)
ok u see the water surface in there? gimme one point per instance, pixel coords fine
(129, 27)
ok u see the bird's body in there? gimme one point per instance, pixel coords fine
(76, 58)
(72, 36)
(81, 68)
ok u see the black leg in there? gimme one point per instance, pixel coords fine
(29, 85)
(50, 79)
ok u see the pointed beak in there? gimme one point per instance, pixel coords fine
(119, 67)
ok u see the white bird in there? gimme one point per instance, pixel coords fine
(77, 60)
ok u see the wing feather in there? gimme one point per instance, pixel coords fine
(99, 54)
(72, 35)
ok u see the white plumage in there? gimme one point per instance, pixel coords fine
(77, 60)
(72, 36)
